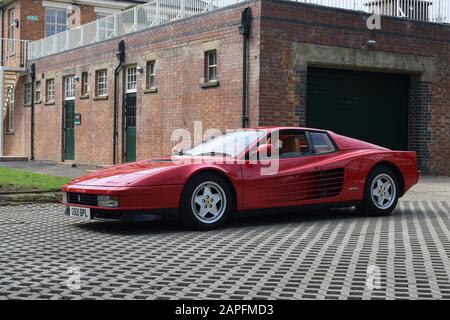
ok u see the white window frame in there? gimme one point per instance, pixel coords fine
(151, 74)
(28, 94)
(84, 84)
(11, 50)
(38, 91)
(69, 88)
(50, 90)
(210, 66)
(47, 10)
(131, 76)
(10, 122)
(101, 83)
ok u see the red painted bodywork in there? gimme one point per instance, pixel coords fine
(158, 183)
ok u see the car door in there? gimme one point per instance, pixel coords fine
(287, 178)
(331, 166)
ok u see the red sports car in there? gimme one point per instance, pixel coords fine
(244, 170)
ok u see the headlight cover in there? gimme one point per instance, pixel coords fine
(107, 201)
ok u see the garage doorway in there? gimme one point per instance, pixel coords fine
(371, 106)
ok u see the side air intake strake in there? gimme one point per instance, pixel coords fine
(306, 186)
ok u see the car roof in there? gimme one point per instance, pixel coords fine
(273, 128)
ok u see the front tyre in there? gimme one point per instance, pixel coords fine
(381, 192)
(206, 203)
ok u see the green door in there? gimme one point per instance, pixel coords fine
(370, 106)
(130, 127)
(69, 145)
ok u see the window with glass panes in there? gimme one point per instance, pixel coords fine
(55, 20)
(151, 74)
(101, 83)
(37, 91)
(131, 79)
(11, 31)
(84, 84)
(28, 94)
(211, 65)
(50, 90)
(10, 114)
(69, 88)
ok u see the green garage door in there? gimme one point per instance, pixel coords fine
(369, 106)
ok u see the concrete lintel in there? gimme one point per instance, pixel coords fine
(304, 54)
(149, 56)
(50, 75)
(68, 72)
(210, 45)
(101, 66)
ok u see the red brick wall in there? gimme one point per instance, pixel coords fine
(277, 89)
(15, 143)
(87, 14)
(179, 49)
(282, 88)
(33, 30)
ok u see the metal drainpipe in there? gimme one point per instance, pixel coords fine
(2, 74)
(121, 57)
(2, 11)
(244, 29)
(33, 78)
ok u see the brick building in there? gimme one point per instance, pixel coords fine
(307, 65)
(36, 19)
(26, 20)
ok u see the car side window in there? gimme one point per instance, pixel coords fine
(291, 144)
(321, 143)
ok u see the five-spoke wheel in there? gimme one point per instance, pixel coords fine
(207, 201)
(381, 192)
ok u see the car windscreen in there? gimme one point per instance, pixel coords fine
(226, 144)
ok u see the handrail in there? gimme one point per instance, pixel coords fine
(157, 12)
(13, 52)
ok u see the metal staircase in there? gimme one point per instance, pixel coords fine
(13, 64)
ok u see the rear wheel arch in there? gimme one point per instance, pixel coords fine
(380, 199)
(397, 172)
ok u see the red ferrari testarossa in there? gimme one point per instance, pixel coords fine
(244, 170)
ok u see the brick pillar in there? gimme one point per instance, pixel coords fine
(300, 107)
(419, 122)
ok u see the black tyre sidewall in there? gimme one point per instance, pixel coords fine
(188, 217)
(367, 205)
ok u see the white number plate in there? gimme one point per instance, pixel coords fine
(79, 212)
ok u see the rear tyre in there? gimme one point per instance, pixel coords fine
(206, 203)
(381, 192)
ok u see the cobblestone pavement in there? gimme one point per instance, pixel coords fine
(297, 255)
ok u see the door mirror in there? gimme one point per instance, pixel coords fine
(263, 151)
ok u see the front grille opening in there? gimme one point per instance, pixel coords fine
(82, 198)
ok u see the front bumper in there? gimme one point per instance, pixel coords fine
(142, 199)
(129, 216)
